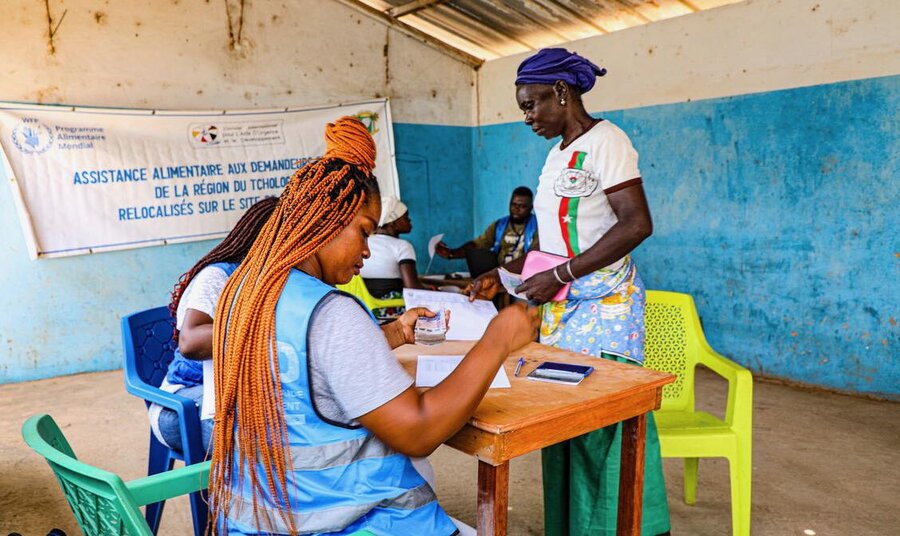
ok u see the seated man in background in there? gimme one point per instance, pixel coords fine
(508, 238)
(391, 266)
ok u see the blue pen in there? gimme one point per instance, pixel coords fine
(519, 366)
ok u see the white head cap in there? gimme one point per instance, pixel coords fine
(391, 209)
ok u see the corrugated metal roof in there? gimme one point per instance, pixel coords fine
(493, 29)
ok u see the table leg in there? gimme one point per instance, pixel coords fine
(631, 477)
(493, 498)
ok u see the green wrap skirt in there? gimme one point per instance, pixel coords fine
(581, 483)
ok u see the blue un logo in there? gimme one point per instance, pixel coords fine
(32, 137)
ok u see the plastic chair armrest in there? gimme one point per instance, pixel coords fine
(740, 387)
(184, 407)
(138, 388)
(188, 415)
(162, 486)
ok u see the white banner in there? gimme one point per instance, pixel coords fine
(97, 179)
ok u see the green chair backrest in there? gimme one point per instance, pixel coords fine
(674, 338)
(102, 503)
(99, 499)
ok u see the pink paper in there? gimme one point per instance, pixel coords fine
(538, 261)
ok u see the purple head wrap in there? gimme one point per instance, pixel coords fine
(552, 64)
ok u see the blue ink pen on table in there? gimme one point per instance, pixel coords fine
(519, 366)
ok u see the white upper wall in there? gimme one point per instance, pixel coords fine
(176, 55)
(754, 46)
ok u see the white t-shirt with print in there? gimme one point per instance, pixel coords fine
(572, 209)
(386, 254)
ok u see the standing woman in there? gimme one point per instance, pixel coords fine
(591, 208)
(315, 418)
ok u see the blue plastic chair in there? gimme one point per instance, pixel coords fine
(147, 339)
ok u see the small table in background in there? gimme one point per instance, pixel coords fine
(501, 300)
(532, 415)
(438, 281)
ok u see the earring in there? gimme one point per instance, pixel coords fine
(562, 102)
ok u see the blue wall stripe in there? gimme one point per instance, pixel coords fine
(776, 211)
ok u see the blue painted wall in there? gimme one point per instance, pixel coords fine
(435, 167)
(61, 316)
(777, 211)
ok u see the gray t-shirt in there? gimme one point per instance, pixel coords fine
(353, 370)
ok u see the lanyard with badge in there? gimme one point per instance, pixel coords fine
(511, 252)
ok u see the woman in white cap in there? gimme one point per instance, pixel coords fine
(392, 264)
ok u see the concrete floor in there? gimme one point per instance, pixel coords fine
(823, 462)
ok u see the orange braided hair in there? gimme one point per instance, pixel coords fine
(319, 201)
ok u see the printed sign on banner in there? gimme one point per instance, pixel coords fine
(98, 179)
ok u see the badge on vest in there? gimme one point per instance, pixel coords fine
(575, 183)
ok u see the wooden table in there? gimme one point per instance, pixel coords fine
(532, 415)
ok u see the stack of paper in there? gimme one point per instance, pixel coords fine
(468, 320)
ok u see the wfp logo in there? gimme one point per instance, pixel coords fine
(369, 120)
(205, 135)
(32, 137)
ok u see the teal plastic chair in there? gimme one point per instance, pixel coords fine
(102, 502)
(358, 288)
(676, 344)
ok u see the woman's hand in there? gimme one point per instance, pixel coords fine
(541, 287)
(416, 423)
(485, 286)
(517, 325)
(402, 330)
(443, 250)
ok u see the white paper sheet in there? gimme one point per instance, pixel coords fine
(432, 244)
(208, 409)
(510, 282)
(432, 369)
(432, 247)
(468, 320)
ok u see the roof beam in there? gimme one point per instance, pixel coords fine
(625, 5)
(404, 28)
(574, 13)
(412, 7)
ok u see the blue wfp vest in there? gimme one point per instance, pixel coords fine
(345, 479)
(500, 230)
(189, 372)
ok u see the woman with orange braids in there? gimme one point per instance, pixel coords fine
(193, 305)
(315, 419)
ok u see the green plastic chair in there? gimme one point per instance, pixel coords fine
(676, 344)
(357, 287)
(102, 502)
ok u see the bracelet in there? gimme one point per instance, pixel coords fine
(556, 275)
(569, 269)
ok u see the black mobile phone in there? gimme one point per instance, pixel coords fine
(565, 373)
